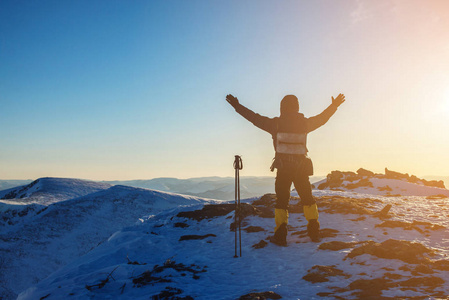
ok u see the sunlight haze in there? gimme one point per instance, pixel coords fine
(131, 90)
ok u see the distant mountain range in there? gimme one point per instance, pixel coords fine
(207, 187)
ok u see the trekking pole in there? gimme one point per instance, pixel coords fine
(238, 165)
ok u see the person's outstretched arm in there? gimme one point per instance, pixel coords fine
(321, 119)
(262, 122)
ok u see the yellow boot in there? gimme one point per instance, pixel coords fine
(313, 227)
(280, 231)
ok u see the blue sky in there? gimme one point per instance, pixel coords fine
(135, 89)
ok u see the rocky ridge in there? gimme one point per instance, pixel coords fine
(380, 183)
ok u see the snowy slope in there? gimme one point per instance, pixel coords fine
(42, 242)
(363, 255)
(50, 190)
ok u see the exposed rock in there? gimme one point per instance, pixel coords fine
(431, 281)
(442, 265)
(152, 277)
(341, 205)
(414, 179)
(393, 276)
(373, 288)
(364, 172)
(261, 296)
(395, 175)
(253, 229)
(405, 268)
(409, 226)
(321, 273)
(428, 225)
(207, 212)
(181, 225)
(217, 210)
(259, 245)
(324, 233)
(328, 232)
(386, 188)
(267, 200)
(266, 204)
(265, 212)
(337, 245)
(369, 288)
(364, 182)
(409, 252)
(422, 269)
(434, 183)
(434, 197)
(398, 224)
(195, 237)
(335, 179)
(384, 212)
(170, 293)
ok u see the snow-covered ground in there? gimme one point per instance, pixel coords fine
(37, 239)
(400, 254)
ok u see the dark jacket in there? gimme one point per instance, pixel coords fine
(290, 123)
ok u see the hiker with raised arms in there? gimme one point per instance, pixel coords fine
(289, 132)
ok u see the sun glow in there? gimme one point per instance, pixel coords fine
(445, 100)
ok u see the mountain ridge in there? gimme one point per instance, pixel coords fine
(36, 240)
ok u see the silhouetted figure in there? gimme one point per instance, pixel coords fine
(289, 132)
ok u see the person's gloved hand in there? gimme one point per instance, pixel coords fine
(232, 100)
(339, 100)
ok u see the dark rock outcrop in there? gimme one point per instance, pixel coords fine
(253, 229)
(321, 273)
(260, 296)
(259, 245)
(364, 172)
(217, 210)
(208, 212)
(337, 245)
(195, 237)
(335, 179)
(409, 252)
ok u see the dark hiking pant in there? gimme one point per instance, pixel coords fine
(286, 175)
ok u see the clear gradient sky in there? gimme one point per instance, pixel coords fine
(109, 90)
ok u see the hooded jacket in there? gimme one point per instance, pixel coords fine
(287, 122)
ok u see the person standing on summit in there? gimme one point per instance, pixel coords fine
(289, 132)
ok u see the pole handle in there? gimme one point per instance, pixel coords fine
(238, 164)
